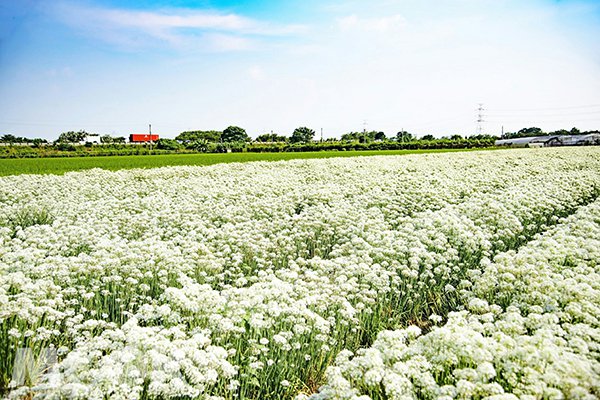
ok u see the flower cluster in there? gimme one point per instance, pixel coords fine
(530, 330)
(260, 280)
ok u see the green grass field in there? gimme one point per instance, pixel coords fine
(16, 166)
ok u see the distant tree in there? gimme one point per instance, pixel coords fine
(106, 139)
(8, 138)
(302, 135)
(280, 138)
(368, 137)
(191, 136)
(168, 144)
(72, 137)
(428, 137)
(12, 139)
(456, 137)
(483, 136)
(575, 131)
(525, 132)
(271, 138)
(37, 142)
(200, 145)
(361, 137)
(559, 132)
(528, 132)
(351, 136)
(234, 134)
(264, 138)
(380, 136)
(404, 136)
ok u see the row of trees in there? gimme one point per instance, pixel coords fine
(236, 134)
(107, 139)
(65, 137)
(82, 136)
(375, 136)
(12, 139)
(202, 140)
(233, 134)
(233, 138)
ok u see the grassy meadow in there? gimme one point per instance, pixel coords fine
(65, 164)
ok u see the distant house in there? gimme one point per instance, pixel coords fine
(142, 138)
(91, 138)
(551, 141)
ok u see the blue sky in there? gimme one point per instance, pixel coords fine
(113, 67)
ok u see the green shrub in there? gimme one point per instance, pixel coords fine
(27, 217)
(168, 144)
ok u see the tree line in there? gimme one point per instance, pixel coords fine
(236, 139)
(65, 137)
(236, 134)
(12, 139)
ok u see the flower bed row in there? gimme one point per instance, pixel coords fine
(530, 330)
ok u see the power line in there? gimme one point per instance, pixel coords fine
(539, 120)
(550, 108)
(534, 116)
(435, 122)
(547, 114)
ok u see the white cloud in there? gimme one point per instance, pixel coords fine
(384, 24)
(59, 72)
(221, 42)
(175, 27)
(257, 73)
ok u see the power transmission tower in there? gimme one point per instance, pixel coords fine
(365, 126)
(480, 119)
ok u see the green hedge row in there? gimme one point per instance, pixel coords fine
(127, 150)
(387, 145)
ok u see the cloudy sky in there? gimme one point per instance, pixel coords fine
(113, 67)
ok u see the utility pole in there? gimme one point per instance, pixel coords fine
(480, 119)
(150, 132)
(502, 135)
(321, 135)
(365, 126)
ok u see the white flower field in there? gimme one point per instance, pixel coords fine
(470, 275)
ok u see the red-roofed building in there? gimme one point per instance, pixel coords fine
(142, 138)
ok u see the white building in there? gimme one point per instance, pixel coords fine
(534, 141)
(91, 138)
(551, 141)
